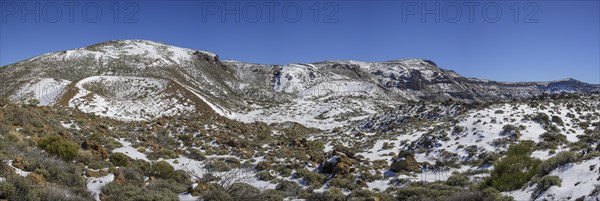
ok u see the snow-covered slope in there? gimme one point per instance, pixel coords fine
(129, 98)
(325, 94)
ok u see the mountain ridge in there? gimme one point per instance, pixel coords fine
(315, 62)
(329, 93)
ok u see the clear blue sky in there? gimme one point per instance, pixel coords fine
(550, 40)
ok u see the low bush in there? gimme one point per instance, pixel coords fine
(171, 185)
(544, 184)
(313, 179)
(196, 155)
(424, 192)
(264, 175)
(290, 188)
(556, 161)
(457, 180)
(162, 169)
(130, 192)
(216, 195)
(65, 149)
(119, 159)
(163, 153)
(343, 183)
(514, 170)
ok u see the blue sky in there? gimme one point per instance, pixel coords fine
(544, 40)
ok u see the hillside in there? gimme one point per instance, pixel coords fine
(144, 120)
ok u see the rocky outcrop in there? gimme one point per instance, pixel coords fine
(405, 162)
(338, 164)
(18, 162)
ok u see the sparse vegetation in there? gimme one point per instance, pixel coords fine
(63, 148)
(514, 170)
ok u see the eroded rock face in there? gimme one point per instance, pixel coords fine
(405, 162)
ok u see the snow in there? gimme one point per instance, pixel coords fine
(70, 125)
(161, 54)
(94, 185)
(130, 151)
(18, 171)
(217, 108)
(186, 164)
(577, 180)
(46, 90)
(187, 197)
(129, 98)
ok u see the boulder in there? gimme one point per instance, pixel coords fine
(19, 162)
(341, 169)
(405, 162)
(338, 164)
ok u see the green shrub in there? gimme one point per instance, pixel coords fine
(290, 188)
(556, 161)
(163, 153)
(171, 185)
(162, 169)
(65, 149)
(553, 137)
(271, 195)
(544, 183)
(457, 180)
(3, 101)
(313, 179)
(21, 188)
(342, 183)
(216, 195)
(514, 170)
(424, 192)
(33, 101)
(264, 175)
(119, 159)
(181, 176)
(326, 196)
(196, 155)
(218, 166)
(243, 191)
(130, 192)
